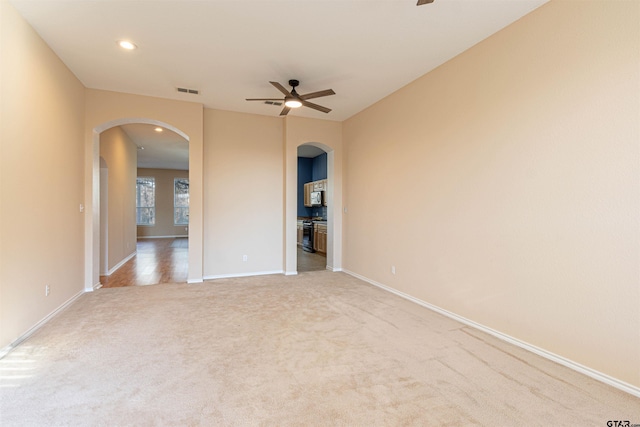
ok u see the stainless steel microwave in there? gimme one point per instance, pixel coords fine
(316, 198)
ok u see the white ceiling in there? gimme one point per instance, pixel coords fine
(309, 151)
(159, 150)
(229, 50)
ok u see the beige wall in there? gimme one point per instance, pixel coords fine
(120, 155)
(164, 226)
(503, 185)
(41, 176)
(243, 193)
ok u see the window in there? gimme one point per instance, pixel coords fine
(146, 201)
(181, 201)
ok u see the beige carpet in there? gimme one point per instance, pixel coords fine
(315, 349)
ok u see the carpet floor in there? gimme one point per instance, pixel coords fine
(315, 349)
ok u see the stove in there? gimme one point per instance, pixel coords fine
(307, 236)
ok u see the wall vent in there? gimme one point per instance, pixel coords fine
(185, 90)
(273, 102)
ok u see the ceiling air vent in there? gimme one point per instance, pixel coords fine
(273, 102)
(185, 90)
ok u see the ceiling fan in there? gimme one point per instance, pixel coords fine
(421, 2)
(294, 100)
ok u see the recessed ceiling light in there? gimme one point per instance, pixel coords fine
(125, 44)
(158, 129)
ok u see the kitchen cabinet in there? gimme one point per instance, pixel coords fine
(325, 189)
(320, 237)
(308, 188)
(300, 232)
(320, 185)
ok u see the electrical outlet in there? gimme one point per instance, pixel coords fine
(245, 258)
(393, 269)
(47, 290)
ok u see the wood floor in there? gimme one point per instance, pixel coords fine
(157, 261)
(166, 261)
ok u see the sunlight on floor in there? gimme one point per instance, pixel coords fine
(16, 366)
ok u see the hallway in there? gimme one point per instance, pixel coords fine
(157, 261)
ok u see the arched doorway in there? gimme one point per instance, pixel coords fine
(105, 109)
(143, 206)
(326, 136)
(94, 259)
(312, 205)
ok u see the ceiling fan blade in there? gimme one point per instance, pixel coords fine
(318, 94)
(264, 99)
(315, 106)
(285, 111)
(421, 2)
(280, 88)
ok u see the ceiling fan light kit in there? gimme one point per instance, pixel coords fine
(293, 99)
(292, 103)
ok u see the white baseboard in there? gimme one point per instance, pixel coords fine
(227, 276)
(97, 286)
(195, 281)
(4, 351)
(162, 237)
(290, 273)
(614, 382)
(121, 263)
